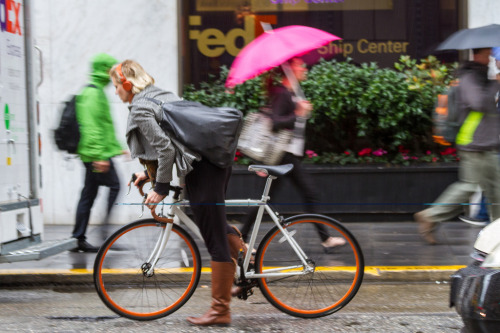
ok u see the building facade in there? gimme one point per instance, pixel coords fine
(183, 41)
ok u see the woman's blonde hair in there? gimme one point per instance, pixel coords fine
(134, 73)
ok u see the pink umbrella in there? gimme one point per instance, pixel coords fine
(273, 48)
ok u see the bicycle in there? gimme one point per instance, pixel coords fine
(150, 268)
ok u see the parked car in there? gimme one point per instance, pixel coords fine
(475, 290)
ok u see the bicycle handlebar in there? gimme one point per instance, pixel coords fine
(176, 189)
(161, 219)
(141, 183)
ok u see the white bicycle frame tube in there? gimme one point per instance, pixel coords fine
(180, 216)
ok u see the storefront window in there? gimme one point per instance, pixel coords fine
(371, 30)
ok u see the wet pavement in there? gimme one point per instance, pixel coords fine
(377, 308)
(392, 251)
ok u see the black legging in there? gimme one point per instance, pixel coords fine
(303, 182)
(206, 188)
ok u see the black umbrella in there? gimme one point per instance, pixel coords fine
(475, 38)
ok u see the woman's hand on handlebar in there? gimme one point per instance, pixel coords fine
(139, 178)
(153, 198)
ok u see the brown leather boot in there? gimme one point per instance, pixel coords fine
(236, 244)
(426, 228)
(222, 280)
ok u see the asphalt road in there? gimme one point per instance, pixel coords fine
(378, 307)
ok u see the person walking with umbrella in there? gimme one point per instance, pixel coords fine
(283, 47)
(477, 143)
(291, 112)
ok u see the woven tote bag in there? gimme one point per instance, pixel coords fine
(259, 142)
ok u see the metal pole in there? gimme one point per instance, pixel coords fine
(30, 99)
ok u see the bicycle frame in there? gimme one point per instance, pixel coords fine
(175, 212)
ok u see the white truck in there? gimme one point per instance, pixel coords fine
(21, 222)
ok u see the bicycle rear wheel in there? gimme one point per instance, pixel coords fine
(334, 280)
(120, 267)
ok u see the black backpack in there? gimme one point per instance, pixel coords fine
(67, 134)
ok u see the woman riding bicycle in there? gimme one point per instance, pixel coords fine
(205, 183)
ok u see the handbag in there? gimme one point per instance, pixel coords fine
(211, 132)
(259, 142)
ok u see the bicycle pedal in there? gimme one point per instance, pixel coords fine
(245, 293)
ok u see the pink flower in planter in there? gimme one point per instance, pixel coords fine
(311, 153)
(365, 151)
(347, 152)
(402, 150)
(448, 151)
(428, 152)
(237, 155)
(434, 159)
(379, 152)
(414, 158)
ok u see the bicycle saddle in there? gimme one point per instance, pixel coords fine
(272, 170)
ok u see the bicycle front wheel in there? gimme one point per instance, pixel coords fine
(125, 280)
(326, 284)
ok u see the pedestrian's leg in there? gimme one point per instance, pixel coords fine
(483, 210)
(113, 182)
(490, 182)
(87, 197)
(248, 222)
(446, 206)
(305, 184)
(109, 179)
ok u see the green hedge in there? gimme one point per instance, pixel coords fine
(357, 108)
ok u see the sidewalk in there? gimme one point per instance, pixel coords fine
(393, 251)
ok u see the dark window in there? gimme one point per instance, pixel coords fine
(371, 30)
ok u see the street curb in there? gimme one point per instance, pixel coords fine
(20, 277)
(409, 273)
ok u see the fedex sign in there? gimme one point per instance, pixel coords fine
(9, 16)
(213, 42)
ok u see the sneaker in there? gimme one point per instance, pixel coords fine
(84, 246)
(473, 221)
(332, 242)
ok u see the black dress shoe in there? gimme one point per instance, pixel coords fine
(84, 246)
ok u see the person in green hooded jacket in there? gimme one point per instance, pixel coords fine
(97, 146)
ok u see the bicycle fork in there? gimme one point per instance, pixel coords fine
(149, 266)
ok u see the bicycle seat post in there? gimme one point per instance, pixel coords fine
(267, 188)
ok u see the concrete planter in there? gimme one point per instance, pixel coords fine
(359, 193)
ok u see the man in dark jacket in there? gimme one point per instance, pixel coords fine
(98, 144)
(477, 143)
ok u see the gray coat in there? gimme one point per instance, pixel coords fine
(147, 140)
